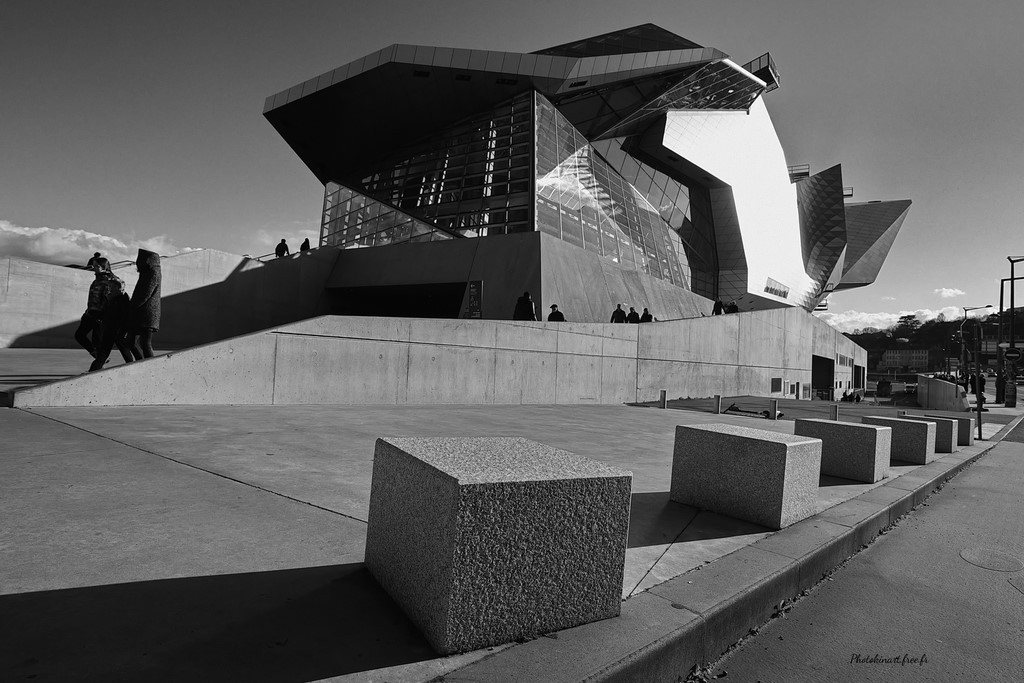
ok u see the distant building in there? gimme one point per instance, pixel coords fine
(908, 360)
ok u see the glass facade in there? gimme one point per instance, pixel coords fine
(718, 86)
(583, 200)
(472, 179)
(596, 111)
(686, 209)
(353, 220)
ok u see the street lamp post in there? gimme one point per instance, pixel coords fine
(978, 398)
(1010, 393)
(963, 353)
(1000, 380)
(1000, 361)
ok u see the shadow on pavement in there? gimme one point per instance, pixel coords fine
(655, 520)
(288, 625)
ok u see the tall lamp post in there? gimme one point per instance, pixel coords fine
(1010, 392)
(978, 398)
(963, 354)
(1000, 360)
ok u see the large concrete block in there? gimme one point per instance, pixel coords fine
(946, 430)
(763, 477)
(912, 440)
(852, 451)
(487, 540)
(964, 429)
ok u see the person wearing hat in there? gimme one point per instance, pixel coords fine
(555, 316)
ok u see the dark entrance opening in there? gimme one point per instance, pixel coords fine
(435, 300)
(858, 376)
(823, 377)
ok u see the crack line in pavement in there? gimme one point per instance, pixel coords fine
(196, 467)
(660, 557)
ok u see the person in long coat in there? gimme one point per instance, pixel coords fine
(524, 310)
(144, 310)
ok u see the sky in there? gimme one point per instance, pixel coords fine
(128, 124)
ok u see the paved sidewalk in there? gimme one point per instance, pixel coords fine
(170, 543)
(938, 598)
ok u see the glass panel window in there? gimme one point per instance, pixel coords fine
(442, 181)
(583, 200)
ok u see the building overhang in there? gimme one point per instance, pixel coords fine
(401, 94)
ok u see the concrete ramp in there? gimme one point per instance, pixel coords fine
(351, 360)
(392, 361)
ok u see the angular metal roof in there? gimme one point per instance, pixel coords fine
(643, 38)
(871, 229)
(341, 120)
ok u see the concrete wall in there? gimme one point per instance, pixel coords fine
(507, 265)
(207, 295)
(585, 286)
(937, 394)
(360, 360)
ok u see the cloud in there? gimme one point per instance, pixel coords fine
(64, 246)
(848, 321)
(888, 298)
(947, 293)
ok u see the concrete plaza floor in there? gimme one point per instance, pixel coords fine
(199, 542)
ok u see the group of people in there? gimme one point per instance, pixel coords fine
(526, 310)
(620, 316)
(282, 247)
(720, 308)
(112, 318)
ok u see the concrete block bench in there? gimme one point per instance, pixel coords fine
(484, 541)
(965, 429)
(912, 440)
(760, 476)
(945, 431)
(852, 451)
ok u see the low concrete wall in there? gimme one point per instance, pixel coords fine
(937, 394)
(362, 360)
(207, 295)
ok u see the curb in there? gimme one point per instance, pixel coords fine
(692, 619)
